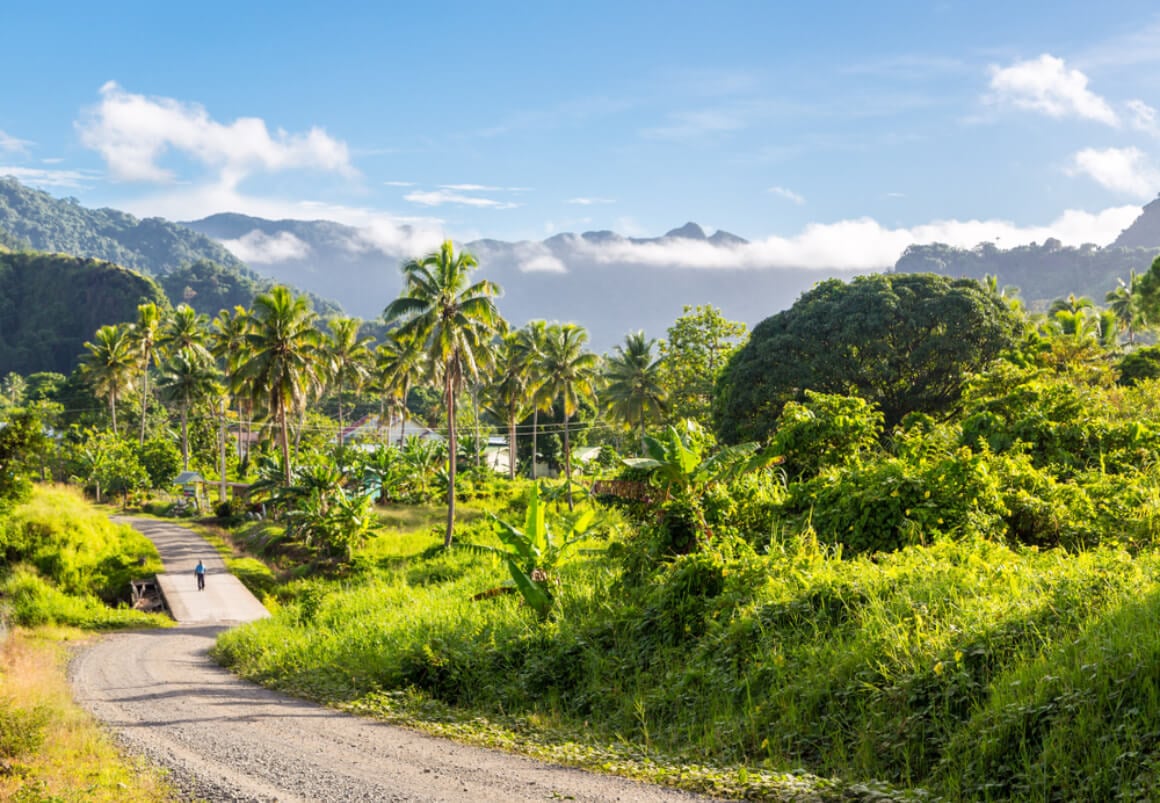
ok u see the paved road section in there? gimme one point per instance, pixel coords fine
(224, 739)
(224, 601)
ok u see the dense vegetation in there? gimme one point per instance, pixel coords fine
(50, 304)
(1042, 272)
(924, 565)
(152, 246)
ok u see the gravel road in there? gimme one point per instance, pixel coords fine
(224, 739)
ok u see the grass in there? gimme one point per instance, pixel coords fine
(50, 749)
(938, 670)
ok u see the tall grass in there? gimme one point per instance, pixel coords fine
(66, 563)
(959, 667)
(49, 748)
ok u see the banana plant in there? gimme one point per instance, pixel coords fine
(533, 553)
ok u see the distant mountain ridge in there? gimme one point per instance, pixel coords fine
(152, 246)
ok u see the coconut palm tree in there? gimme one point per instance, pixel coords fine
(348, 360)
(186, 380)
(1124, 302)
(228, 345)
(456, 321)
(146, 331)
(110, 364)
(400, 364)
(510, 395)
(186, 330)
(569, 376)
(282, 358)
(633, 392)
(529, 352)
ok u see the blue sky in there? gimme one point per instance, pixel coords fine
(827, 133)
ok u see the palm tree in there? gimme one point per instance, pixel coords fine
(400, 364)
(511, 394)
(186, 330)
(348, 359)
(228, 345)
(145, 333)
(281, 362)
(633, 392)
(456, 322)
(110, 364)
(1124, 302)
(529, 352)
(569, 375)
(187, 379)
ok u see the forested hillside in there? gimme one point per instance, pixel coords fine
(152, 246)
(50, 304)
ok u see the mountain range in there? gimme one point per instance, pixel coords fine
(568, 277)
(607, 282)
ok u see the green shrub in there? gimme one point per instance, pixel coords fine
(35, 601)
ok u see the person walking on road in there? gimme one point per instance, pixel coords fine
(200, 572)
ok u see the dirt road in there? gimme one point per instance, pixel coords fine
(225, 739)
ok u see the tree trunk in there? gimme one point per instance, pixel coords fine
(340, 421)
(451, 444)
(403, 413)
(535, 432)
(475, 412)
(568, 462)
(184, 438)
(144, 397)
(284, 441)
(113, 411)
(512, 448)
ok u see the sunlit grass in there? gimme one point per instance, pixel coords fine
(50, 749)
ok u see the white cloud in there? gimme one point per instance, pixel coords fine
(1046, 85)
(447, 196)
(399, 183)
(1144, 118)
(44, 177)
(10, 144)
(393, 235)
(589, 201)
(132, 132)
(1124, 170)
(258, 247)
(788, 194)
(470, 188)
(861, 244)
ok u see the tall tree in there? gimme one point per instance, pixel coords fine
(186, 380)
(1124, 302)
(146, 331)
(186, 330)
(456, 321)
(348, 360)
(699, 344)
(400, 364)
(110, 365)
(510, 394)
(569, 376)
(228, 345)
(529, 353)
(281, 362)
(633, 392)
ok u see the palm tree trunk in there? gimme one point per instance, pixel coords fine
(113, 410)
(144, 397)
(284, 441)
(568, 462)
(403, 413)
(512, 448)
(450, 394)
(184, 438)
(475, 412)
(535, 432)
(340, 421)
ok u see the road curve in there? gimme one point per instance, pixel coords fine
(224, 739)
